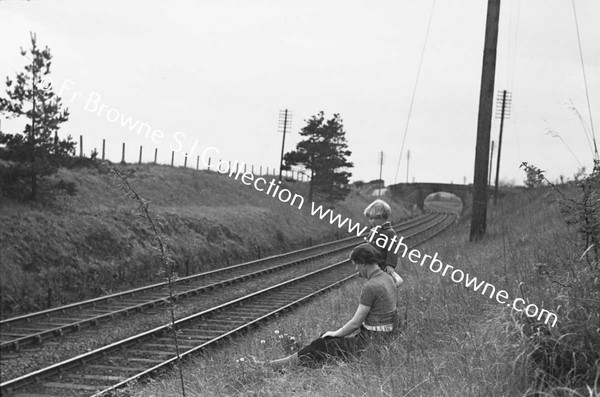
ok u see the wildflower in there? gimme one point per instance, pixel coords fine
(262, 342)
(292, 338)
(242, 359)
(276, 332)
(280, 336)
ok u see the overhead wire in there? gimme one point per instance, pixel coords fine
(571, 106)
(513, 68)
(412, 99)
(509, 42)
(587, 94)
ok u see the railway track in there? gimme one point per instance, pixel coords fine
(37, 327)
(108, 368)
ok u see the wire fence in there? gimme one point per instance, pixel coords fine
(195, 163)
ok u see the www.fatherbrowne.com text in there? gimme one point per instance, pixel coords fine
(458, 276)
(274, 189)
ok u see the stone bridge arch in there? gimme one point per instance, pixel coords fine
(416, 192)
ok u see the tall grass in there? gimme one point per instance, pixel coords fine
(456, 342)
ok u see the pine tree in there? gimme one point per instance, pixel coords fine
(324, 153)
(37, 152)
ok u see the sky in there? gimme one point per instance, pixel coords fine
(190, 75)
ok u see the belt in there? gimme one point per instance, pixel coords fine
(379, 328)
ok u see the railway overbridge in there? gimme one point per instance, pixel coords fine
(416, 192)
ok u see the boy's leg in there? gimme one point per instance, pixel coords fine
(289, 360)
(322, 349)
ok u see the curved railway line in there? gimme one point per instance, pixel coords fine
(113, 366)
(37, 327)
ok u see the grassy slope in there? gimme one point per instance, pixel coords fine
(457, 342)
(95, 242)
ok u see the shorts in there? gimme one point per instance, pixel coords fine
(326, 349)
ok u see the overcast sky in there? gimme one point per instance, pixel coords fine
(199, 74)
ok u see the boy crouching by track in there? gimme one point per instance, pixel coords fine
(378, 213)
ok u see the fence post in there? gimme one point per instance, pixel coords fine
(172, 157)
(103, 148)
(253, 169)
(140, 160)
(123, 154)
(185, 161)
(49, 298)
(80, 145)
(244, 168)
(155, 154)
(237, 167)
(198, 163)
(260, 173)
(208, 164)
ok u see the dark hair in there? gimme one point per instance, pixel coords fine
(365, 254)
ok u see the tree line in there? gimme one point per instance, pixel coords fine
(29, 157)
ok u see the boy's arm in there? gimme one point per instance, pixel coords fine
(352, 325)
(391, 258)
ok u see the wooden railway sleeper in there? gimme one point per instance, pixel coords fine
(151, 353)
(262, 305)
(221, 321)
(215, 328)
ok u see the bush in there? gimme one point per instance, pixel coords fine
(568, 355)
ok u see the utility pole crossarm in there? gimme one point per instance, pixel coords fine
(503, 103)
(285, 120)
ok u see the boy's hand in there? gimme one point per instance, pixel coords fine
(389, 270)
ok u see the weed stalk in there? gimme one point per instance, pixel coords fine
(160, 245)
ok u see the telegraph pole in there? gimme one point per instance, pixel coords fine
(407, 163)
(491, 160)
(285, 118)
(503, 103)
(380, 170)
(484, 121)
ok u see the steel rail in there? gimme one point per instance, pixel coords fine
(157, 332)
(78, 305)
(243, 302)
(72, 326)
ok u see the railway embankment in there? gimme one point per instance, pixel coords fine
(94, 243)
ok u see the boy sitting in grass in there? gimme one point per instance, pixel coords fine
(378, 213)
